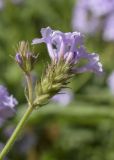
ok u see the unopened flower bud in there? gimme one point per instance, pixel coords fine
(19, 60)
(24, 57)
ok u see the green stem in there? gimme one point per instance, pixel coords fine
(29, 83)
(22, 121)
(15, 133)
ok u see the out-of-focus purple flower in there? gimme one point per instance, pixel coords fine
(7, 103)
(110, 82)
(26, 142)
(69, 46)
(93, 16)
(64, 98)
(83, 20)
(108, 34)
(17, 1)
(101, 7)
(1, 4)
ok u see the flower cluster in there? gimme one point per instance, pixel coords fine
(65, 50)
(7, 104)
(94, 15)
(69, 47)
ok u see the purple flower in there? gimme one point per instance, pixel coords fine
(7, 104)
(93, 65)
(64, 97)
(26, 143)
(19, 59)
(94, 16)
(1, 4)
(108, 33)
(110, 82)
(83, 20)
(69, 46)
(101, 7)
(59, 44)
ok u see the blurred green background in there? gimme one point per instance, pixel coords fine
(84, 129)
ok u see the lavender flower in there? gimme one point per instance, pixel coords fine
(64, 98)
(7, 104)
(101, 7)
(83, 20)
(108, 33)
(1, 4)
(94, 16)
(110, 82)
(69, 47)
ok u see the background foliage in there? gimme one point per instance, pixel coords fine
(84, 129)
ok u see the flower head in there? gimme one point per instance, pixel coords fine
(65, 50)
(69, 48)
(7, 104)
(60, 44)
(24, 57)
